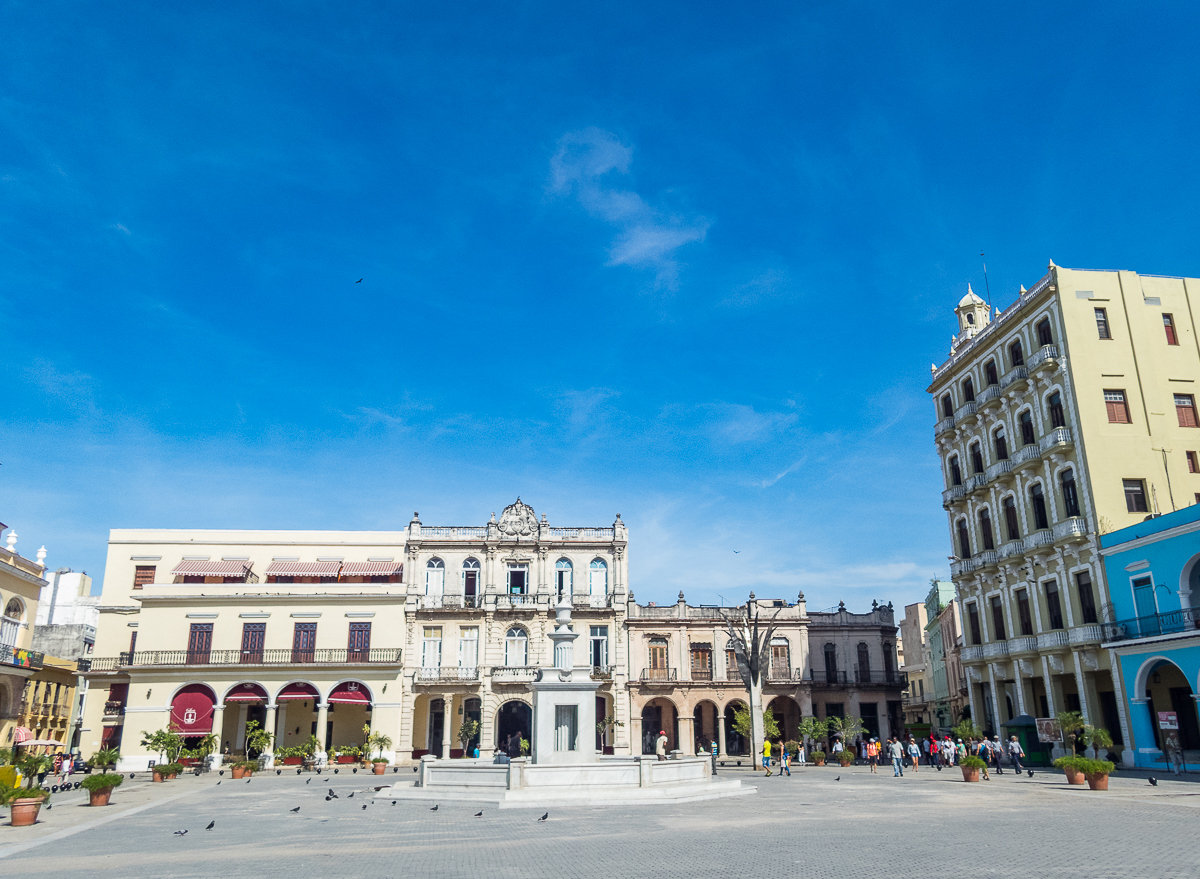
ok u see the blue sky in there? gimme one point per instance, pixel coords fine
(681, 261)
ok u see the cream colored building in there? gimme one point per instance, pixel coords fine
(21, 581)
(685, 682)
(1070, 414)
(320, 633)
(918, 691)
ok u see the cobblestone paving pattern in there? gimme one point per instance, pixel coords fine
(931, 825)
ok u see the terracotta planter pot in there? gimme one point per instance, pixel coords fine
(347, 758)
(158, 777)
(172, 775)
(292, 761)
(1098, 782)
(969, 774)
(379, 768)
(25, 811)
(818, 761)
(238, 772)
(99, 797)
(1074, 776)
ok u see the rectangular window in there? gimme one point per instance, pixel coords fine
(1169, 326)
(566, 719)
(1023, 614)
(517, 579)
(1038, 501)
(1185, 409)
(1102, 323)
(955, 472)
(1135, 495)
(1192, 465)
(731, 666)
(1118, 411)
(1010, 519)
(1070, 495)
(199, 643)
(701, 662)
(431, 647)
(358, 646)
(985, 528)
(976, 458)
(304, 642)
(132, 641)
(658, 660)
(599, 638)
(468, 647)
(142, 575)
(1053, 605)
(1026, 421)
(998, 618)
(1087, 602)
(1056, 410)
(973, 620)
(254, 636)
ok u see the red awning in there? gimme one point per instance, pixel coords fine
(211, 569)
(350, 693)
(246, 693)
(296, 691)
(303, 569)
(22, 734)
(372, 569)
(192, 710)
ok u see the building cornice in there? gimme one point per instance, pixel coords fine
(1139, 542)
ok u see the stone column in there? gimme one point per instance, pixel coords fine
(635, 734)
(269, 726)
(721, 732)
(687, 735)
(971, 687)
(218, 727)
(487, 731)
(447, 724)
(1081, 685)
(280, 729)
(1048, 683)
(322, 722)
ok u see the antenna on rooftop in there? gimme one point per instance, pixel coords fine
(985, 282)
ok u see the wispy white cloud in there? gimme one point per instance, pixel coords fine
(736, 423)
(647, 237)
(121, 227)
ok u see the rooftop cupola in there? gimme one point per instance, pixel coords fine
(972, 315)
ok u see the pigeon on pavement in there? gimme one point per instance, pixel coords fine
(479, 814)
(434, 809)
(331, 793)
(211, 824)
(544, 817)
(364, 806)
(297, 809)
(180, 833)
(839, 778)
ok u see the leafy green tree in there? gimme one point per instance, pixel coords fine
(1072, 725)
(812, 729)
(742, 725)
(467, 732)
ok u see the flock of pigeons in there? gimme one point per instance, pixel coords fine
(331, 794)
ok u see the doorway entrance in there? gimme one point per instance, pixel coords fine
(513, 718)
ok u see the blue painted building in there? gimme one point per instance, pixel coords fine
(1153, 572)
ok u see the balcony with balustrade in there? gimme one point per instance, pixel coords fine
(989, 398)
(1089, 634)
(953, 495)
(944, 426)
(1013, 549)
(1023, 645)
(972, 653)
(659, 676)
(993, 650)
(449, 603)
(999, 471)
(967, 413)
(986, 560)
(1054, 641)
(513, 674)
(1026, 456)
(446, 675)
(1057, 440)
(1038, 540)
(1044, 358)
(1072, 530)
(1016, 379)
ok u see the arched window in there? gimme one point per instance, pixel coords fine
(435, 578)
(947, 406)
(598, 578)
(516, 647)
(1054, 403)
(1025, 420)
(470, 581)
(1001, 444)
(14, 610)
(968, 389)
(955, 471)
(1010, 518)
(563, 572)
(976, 450)
(1039, 507)
(831, 669)
(964, 540)
(985, 529)
(889, 667)
(864, 663)
(1015, 357)
(11, 624)
(1045, 337)
(1070, 495)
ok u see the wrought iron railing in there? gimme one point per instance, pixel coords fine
(603, 672)
(449, 673)
(1172, 623)
(239, 657)
(660, 674)
(825, 678)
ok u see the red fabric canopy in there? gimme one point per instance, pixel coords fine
(196, 568)
(304, 569)
(192, 710)
(350, 693)
(22, 734)
(297, 690)
(246, 693)
(360, 569)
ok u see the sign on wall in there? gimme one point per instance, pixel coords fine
(1168, 720)
(1048, 730)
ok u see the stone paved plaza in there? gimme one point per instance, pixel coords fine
(928, 825)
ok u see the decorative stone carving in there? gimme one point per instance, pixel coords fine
(1056, 663)
(518, 520)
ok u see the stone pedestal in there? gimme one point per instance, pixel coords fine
(564, 701)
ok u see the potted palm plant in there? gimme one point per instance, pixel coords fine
(970, 766)
(1096, 772)
(26, 802)
(243, 768)
(105, 758)
(1071, 723)
(100, 787)
(259, 741)
(382, 742)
